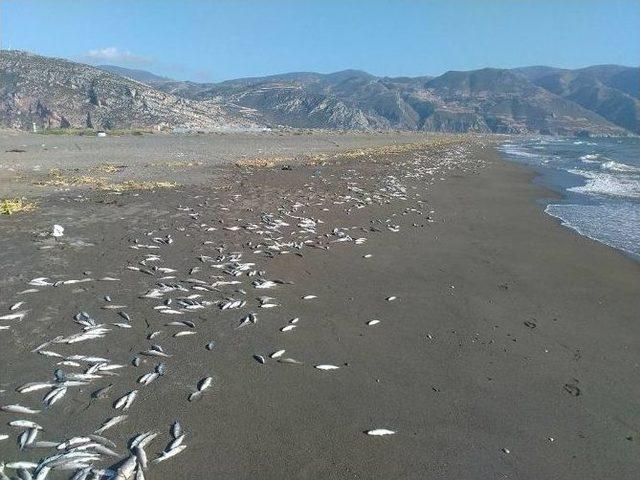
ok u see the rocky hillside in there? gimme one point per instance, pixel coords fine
(611, 91)
(56, 93)
(600, 100)
(487, 100)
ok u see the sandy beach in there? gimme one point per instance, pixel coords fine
(507, 345)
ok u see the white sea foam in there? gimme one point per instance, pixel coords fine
(510, 149)
(614, 166)
(590, 158)
(616, 225)
(601, 183)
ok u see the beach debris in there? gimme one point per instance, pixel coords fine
(57, 231)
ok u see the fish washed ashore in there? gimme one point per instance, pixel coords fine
(406, 312)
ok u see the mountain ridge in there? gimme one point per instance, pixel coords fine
(596, 100)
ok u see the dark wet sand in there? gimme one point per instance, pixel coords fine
(499, 309)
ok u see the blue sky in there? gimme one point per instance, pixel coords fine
(218, 40)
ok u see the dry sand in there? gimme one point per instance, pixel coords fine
(502, 317)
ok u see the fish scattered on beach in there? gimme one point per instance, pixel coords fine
(215, 297)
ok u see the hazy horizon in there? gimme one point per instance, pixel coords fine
(217, 41)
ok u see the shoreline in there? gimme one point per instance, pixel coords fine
(502, 315)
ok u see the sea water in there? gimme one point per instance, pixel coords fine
(599, 180)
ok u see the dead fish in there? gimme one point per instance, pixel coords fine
(15, 316)
(176, 429)
(16, 408)
(290, 361)
(72, 442)
(326, 367)
(309, 297)
(185, 323)
(126, 470)
(22, 464)
(210, 346)
(125, 401)
(102, 392)
(277, 354)
(194, 396)
(125, 315)
(204, 383)
(263, 284)
(373, 322)
(260, 359)
(29, 290)
(143, 439)
(368, 255)
(147, 378)
(27, 437)
(391, 299)
(175, 443)
(287, 328)
(48, 353)
(380, 432)
(141, 456)
(110, 423)
(54, 395)
(154, 353)
(269, 305)
(168, 454)
(25, 424)
(16, 306)
(249, 319)
(34, 386)
(102, 441)
(184, 333)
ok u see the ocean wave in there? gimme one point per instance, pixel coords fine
(615, 225)
(510, 149)
(600, 183)
(619, 167)
(590, 158)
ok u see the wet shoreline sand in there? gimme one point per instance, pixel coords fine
(509, 333)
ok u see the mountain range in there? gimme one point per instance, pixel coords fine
(598, 100)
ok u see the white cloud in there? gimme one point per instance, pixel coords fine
(114, 55)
